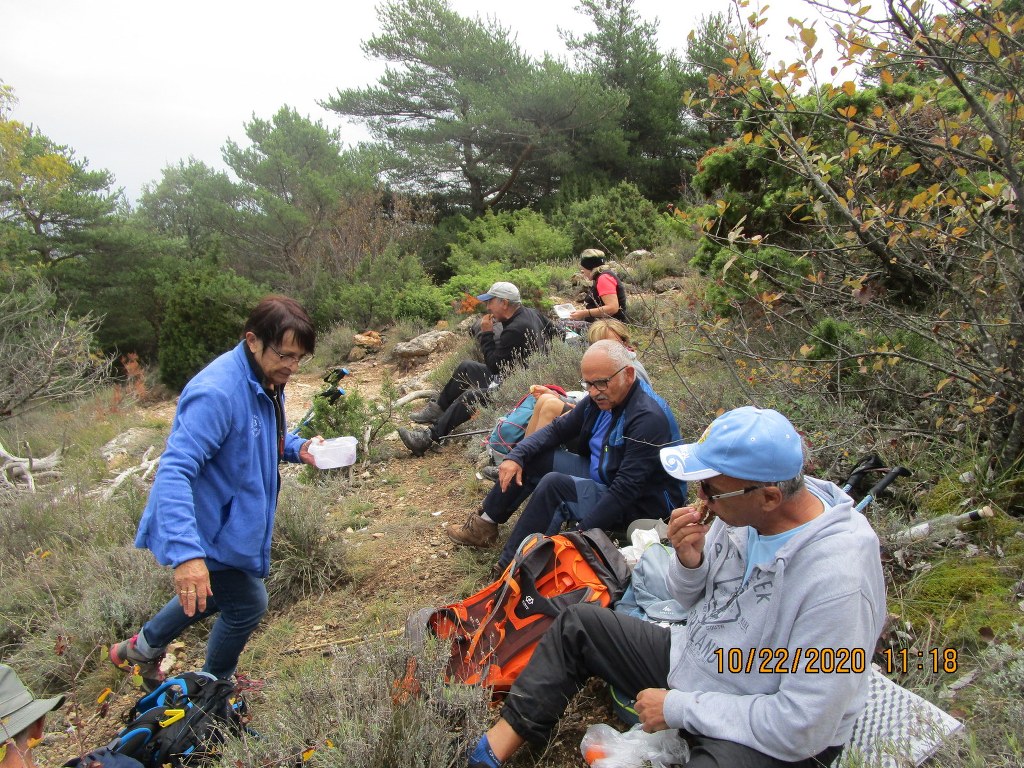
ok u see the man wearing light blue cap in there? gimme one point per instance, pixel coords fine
(786, 601)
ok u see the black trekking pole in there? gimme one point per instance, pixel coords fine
(881, 485)
(870, 463)
(466, 434)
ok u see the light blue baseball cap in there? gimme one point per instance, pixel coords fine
(747, 443)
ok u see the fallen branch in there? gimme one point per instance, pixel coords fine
(26, 468)
(145, 467)
(417, 395)
(343, 641)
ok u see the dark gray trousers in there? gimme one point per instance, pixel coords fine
(631, 654)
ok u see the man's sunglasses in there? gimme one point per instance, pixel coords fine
(711, 498)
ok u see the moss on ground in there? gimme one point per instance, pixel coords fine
(961, 596)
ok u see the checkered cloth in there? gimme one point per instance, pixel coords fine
(898, 729)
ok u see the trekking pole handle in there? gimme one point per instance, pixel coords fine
(882, 484)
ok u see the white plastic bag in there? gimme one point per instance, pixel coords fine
(641, 539)
(605, 747)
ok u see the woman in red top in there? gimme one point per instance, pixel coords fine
(606, 297)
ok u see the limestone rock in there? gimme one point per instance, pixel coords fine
(370, 340)
(424, 344)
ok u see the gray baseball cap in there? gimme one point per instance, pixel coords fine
(501, 291)
(18, 707)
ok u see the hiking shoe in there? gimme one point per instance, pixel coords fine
(127, 658)
(430, 413)
(490, 472)
(416, 440)
(475, 532)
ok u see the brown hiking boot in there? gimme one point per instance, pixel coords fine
(475, 532)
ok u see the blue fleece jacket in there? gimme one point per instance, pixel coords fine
(215, 492)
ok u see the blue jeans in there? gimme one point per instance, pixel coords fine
(240, 599)
(566, 494)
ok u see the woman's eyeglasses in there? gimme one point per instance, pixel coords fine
(288, 357)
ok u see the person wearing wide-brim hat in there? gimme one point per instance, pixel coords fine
(22, 717)
(606, 296)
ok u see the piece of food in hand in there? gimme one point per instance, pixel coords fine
(706, 513)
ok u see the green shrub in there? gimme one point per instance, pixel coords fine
(534, 284)
(346, 711)
(740, 275)
(617, 221)
(72, 582)
(205, 309)
(666, 263)
(333, 345)
(306, 554)
(516, 239)
(347, 415)
(389, 287)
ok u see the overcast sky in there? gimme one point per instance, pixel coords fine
(136, 85)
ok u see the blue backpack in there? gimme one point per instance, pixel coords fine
(512, 426)
(178, 724)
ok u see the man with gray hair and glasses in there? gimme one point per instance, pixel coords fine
(786, 601)
(610, 479)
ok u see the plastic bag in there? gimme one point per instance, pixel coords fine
(605, 747)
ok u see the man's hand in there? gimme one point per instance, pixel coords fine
(192, 585)
(508, 471)
(304, 455)
(487, 323)
(650, 707)
(687, 535)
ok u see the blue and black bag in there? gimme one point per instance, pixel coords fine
(511, 427)
(182, 722)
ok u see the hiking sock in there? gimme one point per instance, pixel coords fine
(145, 650)
(483, 756)
(487, 518)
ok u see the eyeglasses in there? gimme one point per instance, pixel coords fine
(711, 498)
(288, 358)
(601, 384)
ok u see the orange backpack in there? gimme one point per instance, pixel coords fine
(493, 633)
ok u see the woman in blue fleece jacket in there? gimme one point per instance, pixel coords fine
(210, 513)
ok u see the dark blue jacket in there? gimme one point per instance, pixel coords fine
(630, 466)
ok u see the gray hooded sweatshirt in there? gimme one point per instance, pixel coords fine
(823, 596)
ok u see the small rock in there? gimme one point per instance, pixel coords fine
(377, 535)
(355, 354)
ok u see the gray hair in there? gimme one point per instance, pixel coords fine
(615, 352)
(790, 487)
(793, 486)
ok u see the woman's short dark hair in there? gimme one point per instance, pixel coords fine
(274, 316)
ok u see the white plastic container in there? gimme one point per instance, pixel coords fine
(334, 453)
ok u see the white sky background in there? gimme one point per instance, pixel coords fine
(137, 85)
